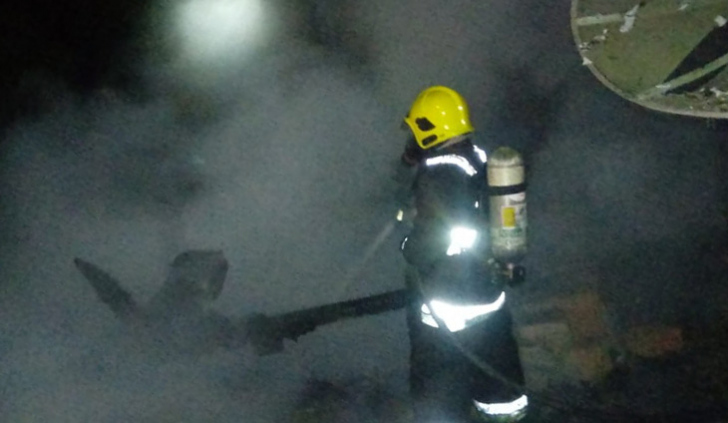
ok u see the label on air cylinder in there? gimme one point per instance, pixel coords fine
(513, 217)
(508, 217)
(508, 226)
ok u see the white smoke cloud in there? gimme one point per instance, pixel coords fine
(290, 186)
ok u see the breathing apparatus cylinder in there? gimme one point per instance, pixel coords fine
(507, 194)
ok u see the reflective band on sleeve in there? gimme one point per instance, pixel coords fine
(452, 159)
(461, 239)
(481, 154)
(512, 408)
(404, 242)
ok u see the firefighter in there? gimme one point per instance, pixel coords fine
(450, 272)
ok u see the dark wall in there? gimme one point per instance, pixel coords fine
(83, 45)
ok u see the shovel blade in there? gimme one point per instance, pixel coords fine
(108, 289)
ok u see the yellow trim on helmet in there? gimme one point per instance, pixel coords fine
(437, 115)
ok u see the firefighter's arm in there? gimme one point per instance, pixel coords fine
(403, 179)
(507, 273)
(403, 176)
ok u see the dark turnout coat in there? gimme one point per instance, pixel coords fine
(450, 191)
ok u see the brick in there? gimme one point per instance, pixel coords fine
(592, 363)
(542, 368)
(585, 314)
(653, 341)
(554, 337)
(536, 357)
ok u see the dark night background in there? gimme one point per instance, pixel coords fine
(125, 140)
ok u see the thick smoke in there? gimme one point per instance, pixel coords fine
(291, 183)
(283, 159)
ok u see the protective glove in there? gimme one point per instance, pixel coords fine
(507, 273)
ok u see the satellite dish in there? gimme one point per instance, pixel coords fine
(666, 55)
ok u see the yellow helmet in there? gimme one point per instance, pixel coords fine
(437, 115)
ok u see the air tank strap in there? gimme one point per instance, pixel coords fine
(506, 190)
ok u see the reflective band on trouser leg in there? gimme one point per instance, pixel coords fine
(507, 411)
(492, 399)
